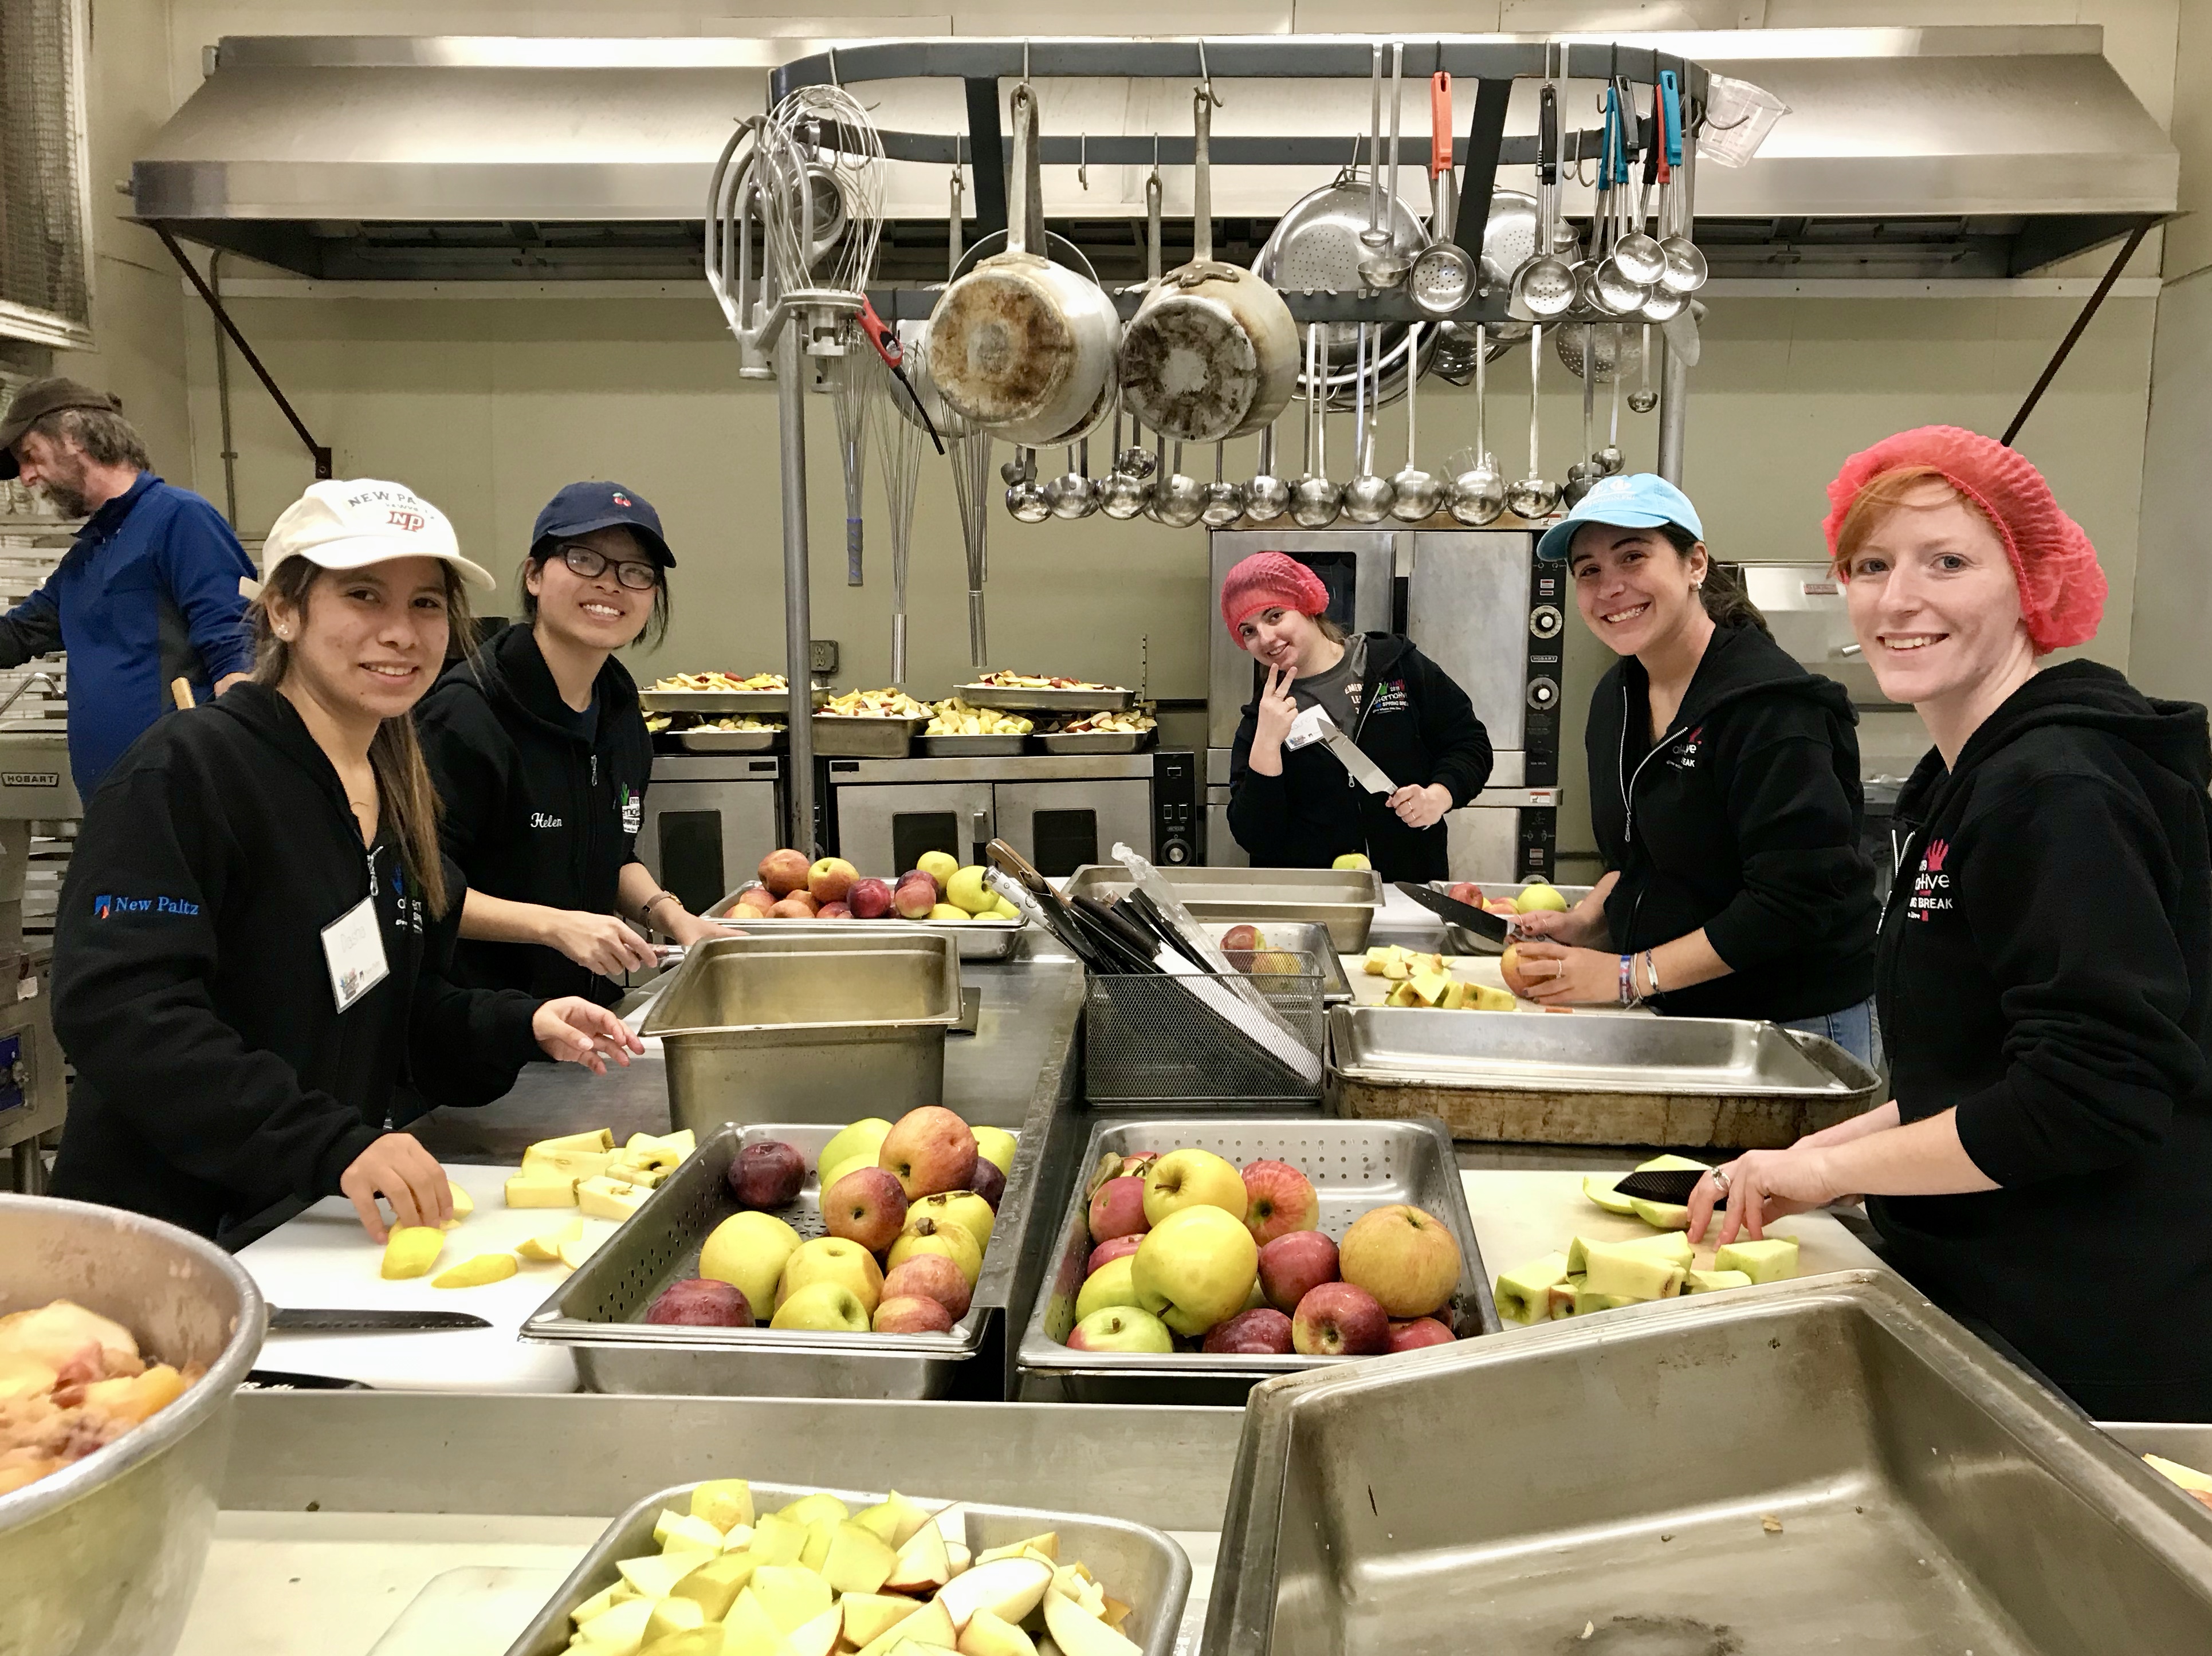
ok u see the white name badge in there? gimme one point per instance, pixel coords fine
(353, 943)
(1307, 728)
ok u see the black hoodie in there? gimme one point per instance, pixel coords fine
(533, 812)
(1418, 726)
(1743, 819)
(2046, 969)
(216, 1077)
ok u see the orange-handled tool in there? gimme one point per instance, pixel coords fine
(1440, 124)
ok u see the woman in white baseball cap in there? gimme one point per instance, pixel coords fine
(252, 947)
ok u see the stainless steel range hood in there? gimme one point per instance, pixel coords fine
(1939, 152)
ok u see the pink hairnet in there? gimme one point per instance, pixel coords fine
(1270, 580)
(2062, 589)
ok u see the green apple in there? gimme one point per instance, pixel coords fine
(865, 1135)
(1121, 1328)
(1660, 1216)
(832, 1260)
(939, 866)
(1631, 1273)
(1195, 1266)
(1711, 1282)
(1536, 898)
(1598, 1187)
(1524, 1292)
(1112, 1283)
(1352, 859)
(967, 888)
(1773, 1260)
(834, 1171)
(823, 1307)
(1193, 1178)
(748, 1250)
(996, 1146)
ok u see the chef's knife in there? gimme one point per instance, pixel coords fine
(287, 1319)
(1670, 1185)
(1364, 770)
(1480, 921)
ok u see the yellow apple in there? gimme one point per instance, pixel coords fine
(995, 1145)
(655, 1575)
(967, 888)
(1352, 859)
(961, 1207)
(832, 1260)
(410, 1251)
(922, 1564)
(748, 1250)
(1195, 1267)
(1193, 1178)
(1112, 1283)
(865, 1135)
(925, 1234)
(823, 1307)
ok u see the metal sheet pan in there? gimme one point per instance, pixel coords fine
(865, 736)
(717, 703)
(1354, 1166)
(1014, 699)
(1095, 741)
(1552, 1078)
(1142, 1568)
(968, 747)
(598, 1311)
(1343, 900)
(1830, 1464)
(978, 940)
(728, 741)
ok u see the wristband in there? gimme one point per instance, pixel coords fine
(645, 909)
(1627, 989)
(1651, 972)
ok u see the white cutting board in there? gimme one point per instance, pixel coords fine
(324, 1260)
(1521, 1216)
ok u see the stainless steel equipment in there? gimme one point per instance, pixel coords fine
(102, 1557)
(796, 1028)
(1355, 1167)
(709, 820)
(1478, 603)
(1138, 1565)
(1061, 811)
(598, 1311)
(1309, 938)
(1827, 1463)
(35, 787)
(1803, 604)
(1594, 1079)
(1342, 898)
(976, 939)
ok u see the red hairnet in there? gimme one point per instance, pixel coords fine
(2062, 589)
(1270, 580)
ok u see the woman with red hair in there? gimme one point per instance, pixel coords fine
(1291, 803)
(2043, 976)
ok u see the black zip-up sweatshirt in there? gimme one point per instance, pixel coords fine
(2047, 970)
(1743, 818)
(533, 812)
(216, 1077)
(1418, 726)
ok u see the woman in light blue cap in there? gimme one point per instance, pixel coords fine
(1724, 792)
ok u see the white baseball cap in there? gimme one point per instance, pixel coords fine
(351, 523)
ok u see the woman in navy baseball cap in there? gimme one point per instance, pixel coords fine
(1724, 792)
(542, 756)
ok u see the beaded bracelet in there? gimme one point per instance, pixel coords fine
(1652, 973)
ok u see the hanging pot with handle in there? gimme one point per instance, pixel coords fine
(1211, 352)
(1023, 347)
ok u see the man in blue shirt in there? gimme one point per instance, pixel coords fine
(148, 592)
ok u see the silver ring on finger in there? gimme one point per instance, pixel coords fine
(1720, 1181)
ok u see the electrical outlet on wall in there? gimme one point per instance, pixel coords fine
(822, 657)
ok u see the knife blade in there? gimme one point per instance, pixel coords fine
(289, 1320)
(1364, 770)
(1480, 921)
(1670, 1185)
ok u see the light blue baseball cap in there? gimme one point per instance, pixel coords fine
(1634, 500)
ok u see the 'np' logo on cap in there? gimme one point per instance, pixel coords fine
(621, 499)
(412, 522)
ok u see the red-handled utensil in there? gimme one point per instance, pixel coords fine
(884, 337)
(1440, 123)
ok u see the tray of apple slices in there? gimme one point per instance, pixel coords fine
(614, 1314)
(727, 1568)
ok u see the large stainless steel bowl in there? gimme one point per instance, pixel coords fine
(102, 1558)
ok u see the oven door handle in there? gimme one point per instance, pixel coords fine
(979, 831)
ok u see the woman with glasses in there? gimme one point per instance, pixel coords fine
(541, 758)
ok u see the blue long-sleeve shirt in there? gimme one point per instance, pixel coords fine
(146, 593)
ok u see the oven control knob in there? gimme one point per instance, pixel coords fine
(1545, 621)
(1175, 852)
(1543, 694)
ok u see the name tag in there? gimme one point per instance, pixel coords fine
(1306, 728)
(353, 944)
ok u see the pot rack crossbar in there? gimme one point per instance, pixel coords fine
(981, 64)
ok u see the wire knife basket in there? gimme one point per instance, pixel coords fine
(1153, 1040)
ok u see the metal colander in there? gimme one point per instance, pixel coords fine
(43, 254)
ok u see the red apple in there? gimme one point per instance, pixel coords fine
(1136, 1166)
(830, 879)
(1279, 1201)
(784, 871)
(1339, 1320)
(757, 900)
(1262, 1332)
(867, 1206)
(1509, 963)
(1404, 1257)
(911, 1313)
(792, 908)
(987, 1182)
(1117, 1209)
(915, 897)
(1465, 892)
(699, 1303)
(871, 900)
(1415, 1332)
(931, 1151)
(766, 1173)
(1292, 1267)
(834, 912)
(1110, 1250)
(930, 1277)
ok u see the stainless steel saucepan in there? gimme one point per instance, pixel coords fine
(1213, 352)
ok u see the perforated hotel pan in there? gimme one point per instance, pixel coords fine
(598, 1312)
(1355, 1167)
(977, 940)
(1828, 1464)
(1142, 1568)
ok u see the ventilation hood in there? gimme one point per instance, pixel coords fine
(1919, 153)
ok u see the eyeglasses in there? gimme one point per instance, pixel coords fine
(590, 563)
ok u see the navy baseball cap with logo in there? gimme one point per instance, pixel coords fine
(1636, 500)
(582, 507)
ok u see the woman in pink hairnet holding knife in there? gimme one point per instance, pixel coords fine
(2044, 974)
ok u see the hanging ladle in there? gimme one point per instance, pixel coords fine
(1545, 285)
(1532, 497)
(1643, 399)
(1383, 265)
(1609, 458)
(1685, 265)
(1267, 497)
(1478, 493)
(1585, 471)
(1367, 497)
(1416, 493)
(1124, 492)
(1644, 259)
(1316, 503)
(1225, 501)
